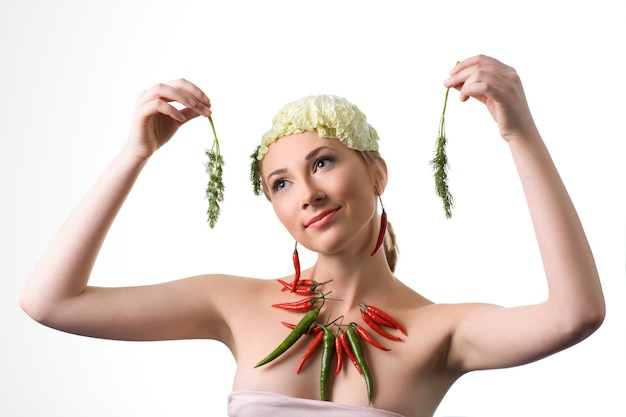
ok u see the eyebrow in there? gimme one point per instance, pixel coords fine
(315, 151)
(308, 157)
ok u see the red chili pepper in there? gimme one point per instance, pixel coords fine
(305, 287)
(306, 304)
(377, 311)
(288, 286)
(300, 290)
(316, 342)
(303, 291)
(377, 319)
(381, 232)
(296, 265)
(346, 347)
(367, 319)
(339, 351)
(313, 330)
(368, 338)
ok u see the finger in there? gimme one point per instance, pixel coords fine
(480, 80)
(459, 74)
(479, 60)
(179, 92)
(192, 114)
(191, 89)
(465, 74)
(199, 102)
(160, 106)
(188, 95)
(478, 90)
(476, 68)
(462, 65)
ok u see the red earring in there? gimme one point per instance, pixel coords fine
(296, 266)
(383, 228)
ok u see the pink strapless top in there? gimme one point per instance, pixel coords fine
(260, 404)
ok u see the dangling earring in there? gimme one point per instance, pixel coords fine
(383, 228)
(296, 265)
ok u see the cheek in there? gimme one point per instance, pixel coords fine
(360, 190)
(283, 211)
(354, 186)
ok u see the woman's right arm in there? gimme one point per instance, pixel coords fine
(57, 292)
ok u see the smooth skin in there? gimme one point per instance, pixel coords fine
(325, 196)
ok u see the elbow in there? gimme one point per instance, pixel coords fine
(594, 313)
(33, 307)
(584, 321)
(591, 323)
(27, 306)
(595, 317)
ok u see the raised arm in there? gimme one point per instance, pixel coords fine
(57, 294)
(493, 337)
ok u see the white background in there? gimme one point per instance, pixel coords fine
(70, 74)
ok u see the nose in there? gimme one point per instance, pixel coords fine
(312, 195)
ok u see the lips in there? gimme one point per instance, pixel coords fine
(321, 219)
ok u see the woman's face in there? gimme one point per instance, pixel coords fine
(322, 192)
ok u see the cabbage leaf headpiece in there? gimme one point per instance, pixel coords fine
(328, 115)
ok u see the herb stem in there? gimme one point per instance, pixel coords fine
(216, 143)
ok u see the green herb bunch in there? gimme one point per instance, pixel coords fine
(255, 172)
(215, 187)
(440, 163)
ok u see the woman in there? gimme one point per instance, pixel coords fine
(325, 183)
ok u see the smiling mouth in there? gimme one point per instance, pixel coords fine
(321, 219)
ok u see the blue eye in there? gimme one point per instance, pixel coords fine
(279, 185)
(322, 162)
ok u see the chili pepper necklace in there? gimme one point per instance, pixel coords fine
(347, 338)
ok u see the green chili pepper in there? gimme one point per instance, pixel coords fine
(353, 339)
(301, 328)
(327, 355)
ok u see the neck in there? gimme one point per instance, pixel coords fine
(354, 280)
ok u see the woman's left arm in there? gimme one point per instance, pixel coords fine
(493, 337)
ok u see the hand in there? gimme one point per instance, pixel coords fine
(497, 86)
(155, 119)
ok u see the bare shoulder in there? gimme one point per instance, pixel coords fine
(432, 326)
(454, 312)
(226, 282)
(230, 292)
(445, 317)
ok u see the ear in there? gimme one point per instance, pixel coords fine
(380, 175)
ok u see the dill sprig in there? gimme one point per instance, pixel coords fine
(215, 187)
(255, 172)
(440, 163)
